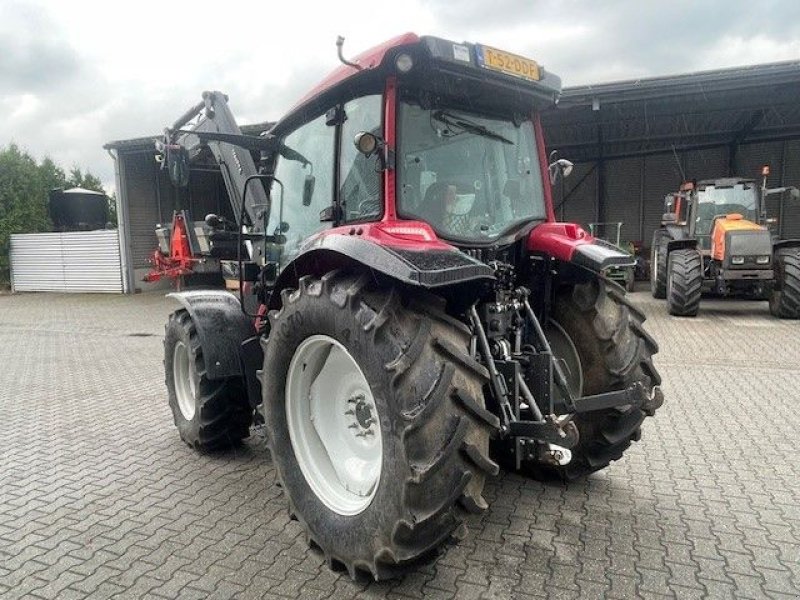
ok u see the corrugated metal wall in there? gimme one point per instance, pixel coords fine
(623, 184)
(75, 261)
(635, 187)
(699, 164)
(143, 204)
(662, 175)
(579, 193)
(790, 223)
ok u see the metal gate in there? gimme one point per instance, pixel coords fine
(75, 261)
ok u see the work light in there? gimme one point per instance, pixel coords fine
(404, 63)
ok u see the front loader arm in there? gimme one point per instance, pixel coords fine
(213, 116)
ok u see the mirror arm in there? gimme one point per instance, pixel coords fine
(387, 158)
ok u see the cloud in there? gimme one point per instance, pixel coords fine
(590, 42)
(34, 56)
(75, 75)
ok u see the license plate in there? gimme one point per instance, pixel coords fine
(510, 64)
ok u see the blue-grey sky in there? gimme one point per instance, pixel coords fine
(77, 74)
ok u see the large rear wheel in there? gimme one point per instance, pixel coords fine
(375, 419)
(785, 299)
(598, 335)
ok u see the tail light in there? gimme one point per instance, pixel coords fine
(410, 230)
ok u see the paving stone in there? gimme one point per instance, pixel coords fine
(99, 498)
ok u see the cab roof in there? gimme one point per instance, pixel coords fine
(450, 61)
(724, 182)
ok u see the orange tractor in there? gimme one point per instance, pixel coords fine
(716, 237)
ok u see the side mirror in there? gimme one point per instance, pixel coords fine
(561, 167)
(793, 191)
(669, 218)
(308, 189)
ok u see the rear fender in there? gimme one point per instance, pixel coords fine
(440, 269)
(571, 243)
(222, 328)
(688, 243)
(786, 244)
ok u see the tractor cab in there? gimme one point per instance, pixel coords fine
(718, 199)
(436, 141)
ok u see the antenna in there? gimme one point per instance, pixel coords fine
(339, 44)
(678, 160)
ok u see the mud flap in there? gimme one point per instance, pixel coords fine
(221, 327)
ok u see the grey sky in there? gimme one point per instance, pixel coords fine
(74, 75)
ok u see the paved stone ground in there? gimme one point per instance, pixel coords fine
(98, 496)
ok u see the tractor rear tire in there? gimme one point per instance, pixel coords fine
(209, 413)
(684, 282)
(658, 264)
(614, 352)
(422, 397)
(785, 299)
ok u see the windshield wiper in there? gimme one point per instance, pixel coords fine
(453, 121)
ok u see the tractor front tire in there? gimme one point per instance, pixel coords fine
(785, 299)
(356, 373)
(684, 282)
(658, 265)
(209, 413)
(604, 332)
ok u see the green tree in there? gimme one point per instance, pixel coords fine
(24, 187)
(86, 181)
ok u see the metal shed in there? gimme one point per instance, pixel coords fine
(146, 198)
(635, 141)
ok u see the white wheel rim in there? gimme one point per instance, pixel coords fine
(183, 378)
(333, 425)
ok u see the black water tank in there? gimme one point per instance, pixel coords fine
(77, 209)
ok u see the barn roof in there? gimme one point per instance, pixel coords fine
(146, 143)
(691, 111)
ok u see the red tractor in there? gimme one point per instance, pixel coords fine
(417, 316)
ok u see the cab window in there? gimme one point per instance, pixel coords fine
(360, 195)
(307, 188)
